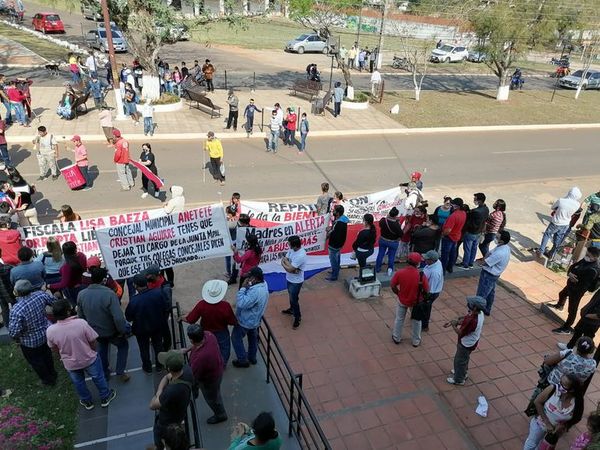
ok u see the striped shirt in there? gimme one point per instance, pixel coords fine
(495, 222)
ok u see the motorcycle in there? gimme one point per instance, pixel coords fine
(400, 63)
(516, 82)
(562, 61)
(561, 71)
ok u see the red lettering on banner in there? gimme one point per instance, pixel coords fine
(291, 217)
(123, 219)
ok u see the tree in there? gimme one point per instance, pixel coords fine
(321, 16)
(417, 54)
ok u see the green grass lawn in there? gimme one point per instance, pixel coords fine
(57, 405)
(454, 109)
(45, 49)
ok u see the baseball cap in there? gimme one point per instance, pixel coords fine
(76, 138)
(416, 175)
(172, 360)
(431, 255)
(116, 133)
(23, 287)
(153, 269)
(94, 261)
(414, 257)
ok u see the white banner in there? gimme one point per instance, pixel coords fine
(378, 204)
(168, 241)
(82, 232)
(273, 240)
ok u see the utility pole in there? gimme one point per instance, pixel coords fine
(113, 61)
(379, 46)
(359, 25)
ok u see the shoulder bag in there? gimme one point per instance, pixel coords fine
(421, 308)
(544, 372)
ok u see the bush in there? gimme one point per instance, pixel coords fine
(20, 430)
(359, 97)
(166, 99)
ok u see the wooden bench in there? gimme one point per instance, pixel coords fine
(202, 101)
(308, 87)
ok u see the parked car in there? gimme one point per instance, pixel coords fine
(97, 39)
(591, 81)
(307, 43)
(48, 23)
(449, 53)
(476, 57)
(91, 9)
(177, 32)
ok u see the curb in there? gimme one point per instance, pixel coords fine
(332, 133)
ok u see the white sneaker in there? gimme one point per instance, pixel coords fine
(561, 345)
(466, 376)
(144, 195)
(390, 272)
(451, 380)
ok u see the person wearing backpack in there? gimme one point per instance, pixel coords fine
(583, 276)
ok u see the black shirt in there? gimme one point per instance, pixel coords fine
(390, 229)
(174, 401)
(586, 273)
(476, 219)
(424, 239)
(365, 239)
(149, 157)
(339, 231)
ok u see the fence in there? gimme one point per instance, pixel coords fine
(303, 423)
(179, 341)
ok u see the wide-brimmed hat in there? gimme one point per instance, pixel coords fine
(214, 291)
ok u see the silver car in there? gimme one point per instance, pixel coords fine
(307, 43)
(591, 81)
(97, 39)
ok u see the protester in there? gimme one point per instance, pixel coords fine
(148, 159)
(443, 211)
(294, 263)
(558, 408)
(209, 70)
(234, 103)
(15, 101)
(20, 193)
(75, 341)
(262, 434)
(324, 200)
(588, 323)
(99, 305)
(493, 265)
(105, 117)
(338, 96)
(336, 233)
(47, 151)
(274, 128)
(67, 215)
(474, 227)
(215, 152)
(236, 205)
(451, 234)
(581, 277)
(576, 360)
(147, 313)
(289, 136)
(121, 159)
(177, 202)
(10, 242)
(434, 272)
(412, 222)
(249, 111)
(250, 307)
(231, 271)
(251, 257)
(27, 326)
(81, 160)
(148, 115)
(156, 281)
(468, 328)
(304, 130)
(495, 223)
(411, 287)
(364, 244)
(4, 155)
(108, 281)
(28, 269)
(562, 210)
(215, 315)
(70, 272)
(172, 396)
(390, 234)
(52, 260)
(426, 237)
(207, 366)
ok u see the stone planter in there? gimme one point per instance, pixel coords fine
(169, 108)
(355, 105)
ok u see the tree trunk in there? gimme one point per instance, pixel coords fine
(417, 93)
(503, 87)
(222, 7)
(151, 86)
(342, 65)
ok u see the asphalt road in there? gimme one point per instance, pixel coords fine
(352, 165)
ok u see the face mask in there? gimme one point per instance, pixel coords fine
(561, 389)
(587, 258)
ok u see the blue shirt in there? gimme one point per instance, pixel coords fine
(338, 94)
(435, 277)
(251, 305)
(31, 270)
(28, 321)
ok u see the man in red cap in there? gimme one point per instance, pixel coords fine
(410, 285)
(81, 160)
(121, 160)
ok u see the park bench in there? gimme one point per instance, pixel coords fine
(202, 101)
(308, 87)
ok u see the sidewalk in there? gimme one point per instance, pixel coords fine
(370, 393)
(16, 54)
(186, 120)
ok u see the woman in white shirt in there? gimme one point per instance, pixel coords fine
(559, 407)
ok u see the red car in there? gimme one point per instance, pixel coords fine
(48, 23)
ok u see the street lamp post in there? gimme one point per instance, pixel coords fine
(113, 61)
(359, 25)
(379, 52)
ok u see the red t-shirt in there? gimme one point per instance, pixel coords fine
(2, 131)
(10, 243)
(455, 223)
(247, 261)
(206, 361)
(407, 282)
(215, 317)
(121, 151)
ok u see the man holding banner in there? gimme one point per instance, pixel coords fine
(294, 263)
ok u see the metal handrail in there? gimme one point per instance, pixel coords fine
(302, 421)
(181, 343)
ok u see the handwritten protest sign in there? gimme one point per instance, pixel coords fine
(82, 232)
(168, 241)
(273, 240)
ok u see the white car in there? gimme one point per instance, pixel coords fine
(449, 53)
(307, 43)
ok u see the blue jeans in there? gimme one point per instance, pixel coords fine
(94, 370)
(470, 241)
(487, 289)
(8, 115)
(389, 247)
(303, 141)
(148, 126)
(86, 175)
(595, 244)
(224, 341)
(237, 339)
(448, 254)
(484, 247)
(294, 294)
(75, 77)
(557, 234)
(334, 260)
(289, 137)
(249, 123)
(19, 111)
(103, 348)
(273, 140)
(4, 154)
(337, 108)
